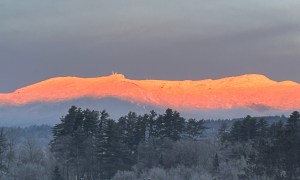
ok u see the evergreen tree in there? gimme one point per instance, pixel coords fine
(249, 128)
(56, 174)
(111, 153)
(293, 123)
(102, 143)
(276, 130)
(151, 120)
(194, 128)
(3, 147)
(170, 125)
(236, 132)
(178, 127)
(277, 155)
(262, 128)
(290, 144)
(90, 122)
(90, 127)
(128, 131)
(244, 130)
(223, 132)
(216, 164)
(73, 142)
(141, 127)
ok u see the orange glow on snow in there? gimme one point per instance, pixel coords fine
(251, 91)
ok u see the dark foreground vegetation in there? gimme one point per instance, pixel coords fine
(89, 145)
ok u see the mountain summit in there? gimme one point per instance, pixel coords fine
(251, 91)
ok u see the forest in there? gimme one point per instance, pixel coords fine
(89, 145)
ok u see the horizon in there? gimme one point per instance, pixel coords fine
(126, 77)
(191, 41)
(225, 98)
(233, 63)
(147, 39)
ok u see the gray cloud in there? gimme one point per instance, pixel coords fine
(147, 39)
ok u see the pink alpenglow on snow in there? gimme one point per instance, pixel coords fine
(247, 91)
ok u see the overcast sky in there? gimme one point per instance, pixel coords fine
(154, 39)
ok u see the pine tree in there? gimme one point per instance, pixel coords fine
(90, 122)
(102, 143)
(151, 124)
(262, 128)
(236, 132)
(170, 125)
(290, 144)
(179, 126)
(277, 155)
(73, 141)
(216, 164)
(276, 130)
(244, 130)
(223, 132)
(131, 131)
(194, 128)
(249, 128)
(3, 147)
(56, 174)
(292, 125)
(111, 153)
(140, 129)
(127, 127)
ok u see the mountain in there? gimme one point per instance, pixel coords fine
(50, 113)
(251, 91)
(234, 97)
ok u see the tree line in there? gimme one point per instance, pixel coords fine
(270, 151)
(89, 144)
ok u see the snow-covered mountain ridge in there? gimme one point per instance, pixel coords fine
(252, 91)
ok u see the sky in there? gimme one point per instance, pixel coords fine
(142, 39)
